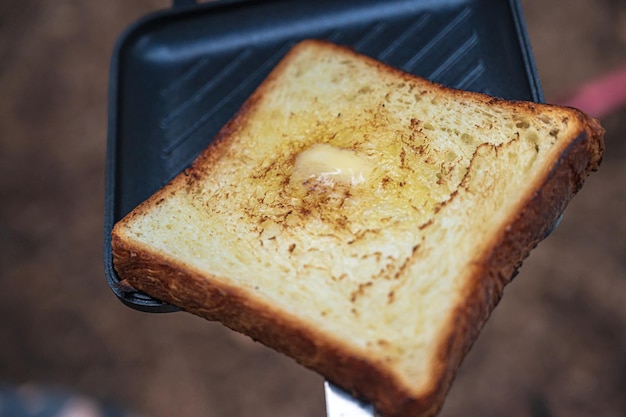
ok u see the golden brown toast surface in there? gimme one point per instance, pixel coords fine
(361, 220)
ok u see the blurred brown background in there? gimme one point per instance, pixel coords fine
(556, 345)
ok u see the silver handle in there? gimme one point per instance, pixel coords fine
(341, 404)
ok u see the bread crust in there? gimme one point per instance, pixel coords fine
(208, 297)
(537, 215)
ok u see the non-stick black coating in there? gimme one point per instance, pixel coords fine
(179, 75)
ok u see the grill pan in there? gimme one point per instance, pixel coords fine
(178, 75)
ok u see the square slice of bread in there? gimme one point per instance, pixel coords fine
(361, 220)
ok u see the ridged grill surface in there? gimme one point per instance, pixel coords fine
(181, 77)
(441, 50)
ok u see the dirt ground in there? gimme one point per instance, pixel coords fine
(555, 346)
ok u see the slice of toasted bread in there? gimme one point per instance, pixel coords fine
(360, 220)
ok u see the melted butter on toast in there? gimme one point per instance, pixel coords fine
(324, 166)
(353, 178)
